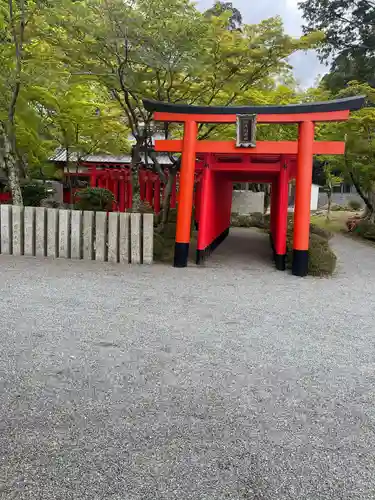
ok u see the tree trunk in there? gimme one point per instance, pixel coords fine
(167, 196)
(369, 200)
(329, 195)
(136, 161)
(10, 165)
(267, 198)
(370, 213)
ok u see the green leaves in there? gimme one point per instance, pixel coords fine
(348, 27)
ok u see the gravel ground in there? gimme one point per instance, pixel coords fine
(232, 381)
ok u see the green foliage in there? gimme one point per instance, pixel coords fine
(219, 8)
(97, 199)
(33, 193)
(320, 231)
(357, 165)
(370, 233)
(255, 219)
(348, 29)
(85, 66)
(365, 229)
(322, 259)
(172, 52)
(354, 205)
(338, 208)
(172, 215)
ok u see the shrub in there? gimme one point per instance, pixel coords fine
(322, 259)
(320, 231)
(354, 205)
(172, 215)
(33, 193)
(362, 226)
(169, 230)
(255, 219)
(365, 229)
(337, 208)
(97, 199)
(370, 233)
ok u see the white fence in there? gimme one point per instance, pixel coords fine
(73, 234)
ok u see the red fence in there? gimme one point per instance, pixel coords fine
(117, 178)
(5, 197)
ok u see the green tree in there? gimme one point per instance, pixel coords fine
(79, 116)
(348, 26)
(330, 181)
(27, 60)
(357, 165)
(219, 8)
(170, 51)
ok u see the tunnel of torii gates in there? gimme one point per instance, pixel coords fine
(244, 160)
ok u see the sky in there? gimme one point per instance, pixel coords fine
(306, 65)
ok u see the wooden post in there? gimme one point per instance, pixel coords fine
(174, 194)
(303, 199)
(281, 218)
(149, 190)
(273, 212)
(92, 171)
(186, 195)
(121, 192)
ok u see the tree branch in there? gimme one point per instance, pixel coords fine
(18, 45)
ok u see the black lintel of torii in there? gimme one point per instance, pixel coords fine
(347, 104)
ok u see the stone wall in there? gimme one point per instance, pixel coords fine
(341, 199)
(73, 234)
(247, 202)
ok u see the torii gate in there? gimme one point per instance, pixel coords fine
(269, 161)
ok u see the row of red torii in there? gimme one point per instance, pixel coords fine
(209, 169)
(116, 177)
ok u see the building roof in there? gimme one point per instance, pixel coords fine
(60, 156)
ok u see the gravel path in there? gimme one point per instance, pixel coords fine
(232, 381)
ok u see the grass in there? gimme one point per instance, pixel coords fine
(337, 222)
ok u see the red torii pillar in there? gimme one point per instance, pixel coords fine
(281, 217)
(186, 195)
(303, 199)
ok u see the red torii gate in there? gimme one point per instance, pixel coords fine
(268, 161)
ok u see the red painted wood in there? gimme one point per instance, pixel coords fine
(93, 174)
(303, 187)
(174, 194)
(121, 194)
(149, 190)
(281, 219)
(215, 210)
(5, 197)
(274, 207)
(263, 147)
(330, 116)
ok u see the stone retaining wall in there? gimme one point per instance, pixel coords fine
(247, 202)
(73, 234)
(342, 199)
